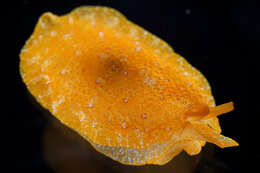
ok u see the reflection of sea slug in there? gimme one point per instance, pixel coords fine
(120, 87)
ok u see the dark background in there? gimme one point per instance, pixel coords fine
(221, 39)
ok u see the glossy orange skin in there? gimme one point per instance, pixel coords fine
(120, 87)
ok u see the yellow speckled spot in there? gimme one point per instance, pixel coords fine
(120, 87)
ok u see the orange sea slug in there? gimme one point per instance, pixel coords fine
(120, 87)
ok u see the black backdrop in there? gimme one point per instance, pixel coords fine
(220, 39)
